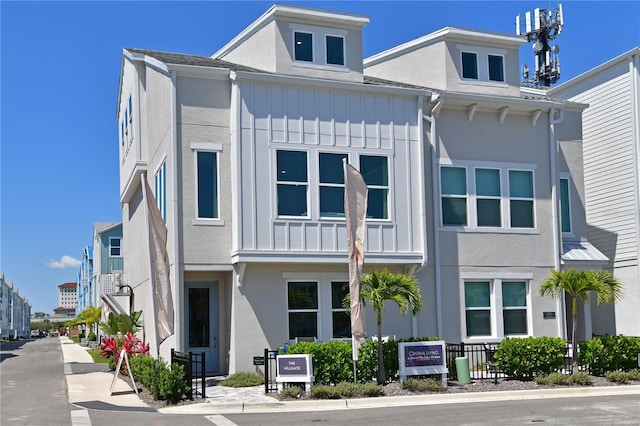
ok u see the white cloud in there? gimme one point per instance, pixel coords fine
(64, 262)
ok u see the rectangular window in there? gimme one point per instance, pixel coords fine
(207, 184)
(331, 185)
(488, 197)
(496, 68)
(303, 46)
(477, 302)
(302, 302)
(565, 205)
(469, 65)
(160, 183)
(335, 50)
(292, 181)
(514, 308)
(375, 172)
(115, 249)
(521, 198)
(341, 320)
(453, 181)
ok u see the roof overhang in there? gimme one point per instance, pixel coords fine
(580, 253)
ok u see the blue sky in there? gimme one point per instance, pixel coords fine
(60, 65)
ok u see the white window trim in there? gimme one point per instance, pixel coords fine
(310, 213)
(495, 280)
(120, 247)
(388, 187)
(472, 218)
(319, 39)
(325, 310)
(205, 147)
(162, 204)
(482, 56)
(532, 199)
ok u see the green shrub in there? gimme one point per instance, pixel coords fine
(524, 358)
(143, 368)
(291, 392)
(609, 353)
(325, 392)
(634, 374)
(348, 390)
(581, 379)
(93, 337)
(422, 385)
(169, 383)
(370, 389)
(243, 380)
(623, 376)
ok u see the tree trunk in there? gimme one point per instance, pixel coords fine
(381, 376)
(574, 328)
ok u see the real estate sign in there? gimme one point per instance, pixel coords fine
(294, 369)
(419, 358)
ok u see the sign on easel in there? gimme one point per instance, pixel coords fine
(125, 356)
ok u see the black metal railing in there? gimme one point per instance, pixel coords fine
(194, 371)
(270, 371)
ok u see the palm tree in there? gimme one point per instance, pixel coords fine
(380, 286)
(578, 284)
(90, 316)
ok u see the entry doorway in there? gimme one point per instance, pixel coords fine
(202, 333)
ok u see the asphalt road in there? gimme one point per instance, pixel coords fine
(34, 393)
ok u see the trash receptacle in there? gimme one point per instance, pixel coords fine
(462, 368)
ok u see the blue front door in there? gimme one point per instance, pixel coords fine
(201, 322)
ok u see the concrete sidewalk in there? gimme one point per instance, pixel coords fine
(89, 387)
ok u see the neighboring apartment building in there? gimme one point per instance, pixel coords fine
(108, 262)
(473, 187)
(611, 127)
(15, 312)
(67, 301)
(85, 293)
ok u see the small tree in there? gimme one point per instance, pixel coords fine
(578, 284)
(380, 286)
(90, 316)
(122, 323)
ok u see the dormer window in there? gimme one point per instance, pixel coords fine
(322, 47)
(482, 64)
(335, 50)
(303, 46)
(496, 68)
(469, 65)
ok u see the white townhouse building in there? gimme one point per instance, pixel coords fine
(611, 127)
(15, 312)
(473, 187)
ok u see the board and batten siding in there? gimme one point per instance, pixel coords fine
(322, 120)
(609, 170)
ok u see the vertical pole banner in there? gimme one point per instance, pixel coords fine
(355, 210)
(159, 266)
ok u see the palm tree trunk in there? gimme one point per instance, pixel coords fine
(381, 376)
(574, 328)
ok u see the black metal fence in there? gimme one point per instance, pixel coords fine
(270, 370)
(194, 371)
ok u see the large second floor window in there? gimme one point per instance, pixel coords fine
(292, 183)
(331, 171)
(453, 181)
(496, 197)
(375, 172)
(521, 198)
(207, 185)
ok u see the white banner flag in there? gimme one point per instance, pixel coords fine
(355, 210)
(159, 262)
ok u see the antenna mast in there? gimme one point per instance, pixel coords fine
(545, 26)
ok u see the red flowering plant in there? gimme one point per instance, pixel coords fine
(112, 347)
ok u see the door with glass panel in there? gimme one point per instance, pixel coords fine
(201, 322)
